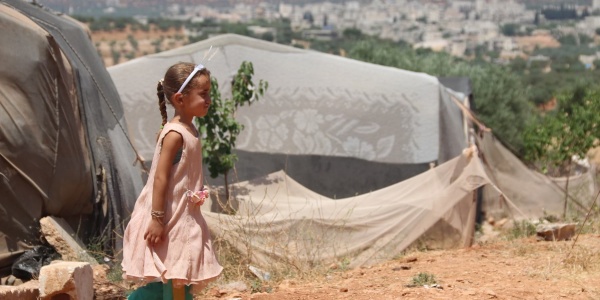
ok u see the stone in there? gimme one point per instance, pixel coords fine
(286, 284)
(237, 286)
(500, 223)
(26, 291)
(410, 259)
(216, 292)
(259, 296)
(100, 272)
(61, 236)
(74, 279)
(262, 275)
(556, 231)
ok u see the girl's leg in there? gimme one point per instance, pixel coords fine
(179, 293)
(171, 292)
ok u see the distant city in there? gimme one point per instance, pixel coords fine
(509, 27)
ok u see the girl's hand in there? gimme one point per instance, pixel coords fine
(154, 232)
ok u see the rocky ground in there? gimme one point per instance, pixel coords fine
(522, 268)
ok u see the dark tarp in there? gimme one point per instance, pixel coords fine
(63, 147)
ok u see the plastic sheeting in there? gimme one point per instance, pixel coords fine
(63, 144)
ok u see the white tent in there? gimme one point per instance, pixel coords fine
(346, 130)
(323, 119)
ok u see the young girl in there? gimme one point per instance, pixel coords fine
(167, 242)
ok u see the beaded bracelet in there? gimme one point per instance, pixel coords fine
(158, 216)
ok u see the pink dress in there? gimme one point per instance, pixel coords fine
(186, 254)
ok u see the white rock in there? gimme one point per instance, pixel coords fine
(61, 236)
(75, 279)
(26, 291)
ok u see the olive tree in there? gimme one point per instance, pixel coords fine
(570, 131)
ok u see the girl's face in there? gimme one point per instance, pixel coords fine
(197, 100)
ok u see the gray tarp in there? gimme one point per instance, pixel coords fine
(338, 126)
(63, 144)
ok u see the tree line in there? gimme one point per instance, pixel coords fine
(505, 95)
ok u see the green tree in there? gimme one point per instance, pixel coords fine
(116, 56)
(284, 33)
(352, 34)
(572, 130)
(267, 36)
(133, 42)
(220, 128)
(510, 29)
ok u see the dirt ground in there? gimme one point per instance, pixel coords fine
(529, 43)
(147, 42)
(500, 269)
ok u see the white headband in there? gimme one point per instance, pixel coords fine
(198, 68)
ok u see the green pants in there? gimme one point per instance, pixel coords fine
(158, 291)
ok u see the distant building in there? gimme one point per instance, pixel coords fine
(324, 34)
(588, 60)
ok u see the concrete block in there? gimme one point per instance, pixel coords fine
(61, 236)
(26, 291)
(62, 278)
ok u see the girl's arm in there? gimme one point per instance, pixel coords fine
(171, 143)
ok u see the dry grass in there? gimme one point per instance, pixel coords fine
(294, 253)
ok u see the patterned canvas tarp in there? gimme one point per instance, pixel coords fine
(323, 119)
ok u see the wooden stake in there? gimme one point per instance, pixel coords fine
(586, 217)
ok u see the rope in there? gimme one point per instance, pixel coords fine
(469, 113)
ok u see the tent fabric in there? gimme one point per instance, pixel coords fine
(63, 144)
(279, 220)
(532, 194)
(317, 107)
(458, 84)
